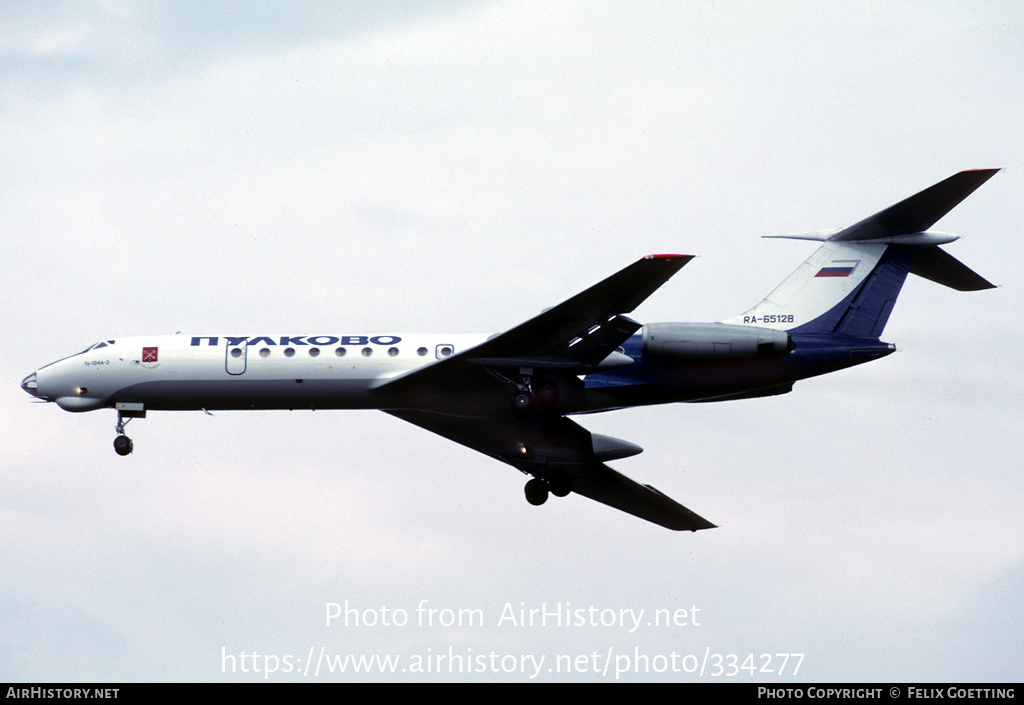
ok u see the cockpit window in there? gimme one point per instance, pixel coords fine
(97, 346)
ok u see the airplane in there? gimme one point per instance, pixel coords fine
(511, 395)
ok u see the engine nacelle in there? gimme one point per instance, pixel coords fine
(675, 342)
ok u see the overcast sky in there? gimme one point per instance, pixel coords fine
(307, 167)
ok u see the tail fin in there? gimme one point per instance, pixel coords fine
(850, 284)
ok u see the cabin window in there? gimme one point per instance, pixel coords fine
(289, 352)
(313, 352)
(367, 352)
(422, 352)
(340, 352)
(392, 352)
(265, 352)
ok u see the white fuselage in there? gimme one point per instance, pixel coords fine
(238, 372)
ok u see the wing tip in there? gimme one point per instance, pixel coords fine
(979, 176)
(697, 523)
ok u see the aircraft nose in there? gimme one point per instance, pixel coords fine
(30, 385)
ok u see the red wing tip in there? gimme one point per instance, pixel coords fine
(669, 257)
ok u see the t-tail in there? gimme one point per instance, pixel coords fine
(850, 284)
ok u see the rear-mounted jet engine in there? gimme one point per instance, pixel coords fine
(672, 342)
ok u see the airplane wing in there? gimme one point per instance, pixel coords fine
(565, 447)
(573, 336)
(569, 339)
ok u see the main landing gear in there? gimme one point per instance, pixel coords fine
(532, 396)
(556, 482)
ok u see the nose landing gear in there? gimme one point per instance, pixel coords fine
(126, 412)
(123, 445)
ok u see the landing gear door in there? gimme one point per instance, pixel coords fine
(235, 358)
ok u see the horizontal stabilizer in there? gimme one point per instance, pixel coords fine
(919, 212)
(943, 268)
